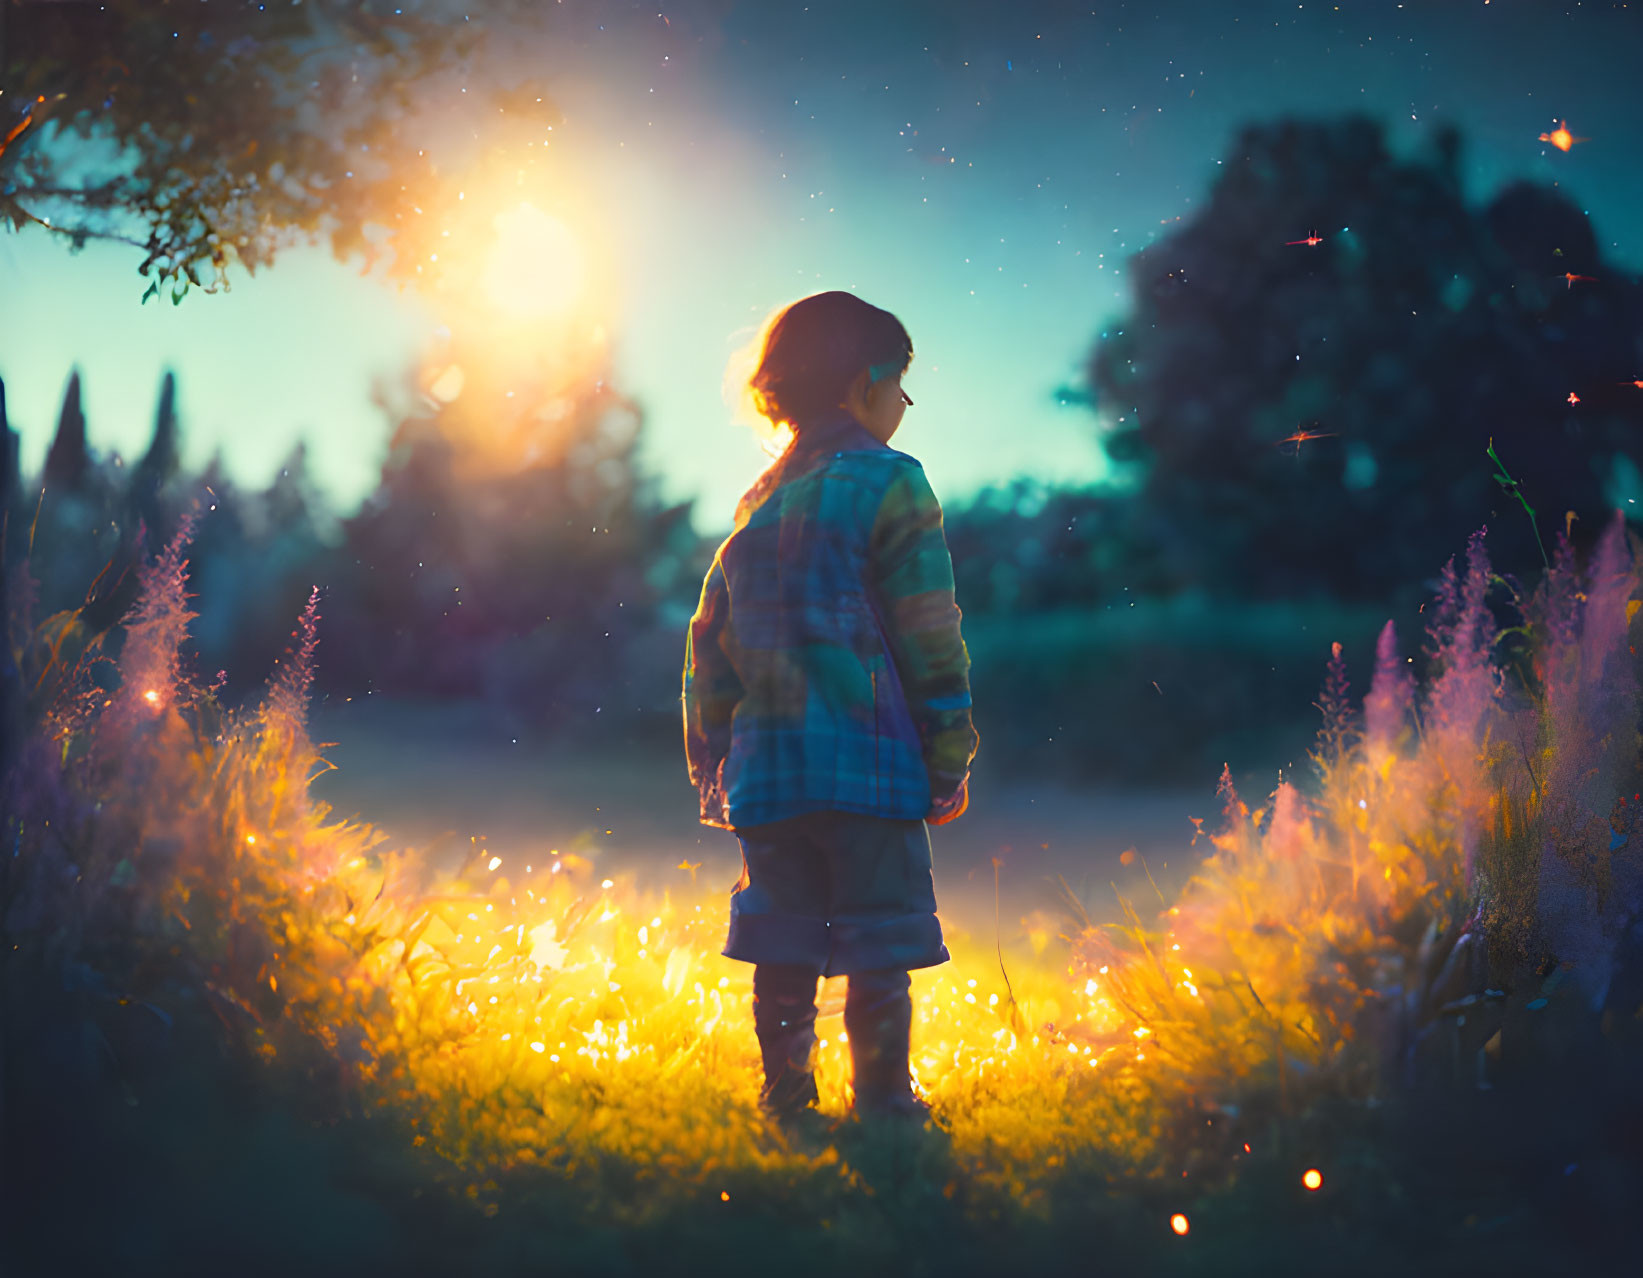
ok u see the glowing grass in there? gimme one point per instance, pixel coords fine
(526, 1016)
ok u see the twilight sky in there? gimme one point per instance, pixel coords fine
(981, 169)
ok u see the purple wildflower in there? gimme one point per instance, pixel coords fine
(1391, 694)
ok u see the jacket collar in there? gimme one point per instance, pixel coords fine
(837, 429)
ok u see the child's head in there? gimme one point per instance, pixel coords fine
(816, 353)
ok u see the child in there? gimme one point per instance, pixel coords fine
(827, 704)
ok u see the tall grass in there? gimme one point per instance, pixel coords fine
(1456, 843)
(520, 1017)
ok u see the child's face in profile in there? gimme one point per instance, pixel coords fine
(878, 406)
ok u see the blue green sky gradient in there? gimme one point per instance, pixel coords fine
(982, 170)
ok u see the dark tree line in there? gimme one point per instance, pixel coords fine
(548, 590)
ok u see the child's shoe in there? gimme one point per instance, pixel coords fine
(898, 1109)
(878, 1016)
(790, 1092)
(804, 1128)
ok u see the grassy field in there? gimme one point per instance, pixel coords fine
(241, 1032)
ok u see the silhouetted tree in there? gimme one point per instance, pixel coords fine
(77, 517)
(528, 586)
(67, 460)
(254, 560)
(1411, 333)
(159, 467)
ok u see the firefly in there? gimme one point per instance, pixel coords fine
(1303, 436)
(1311, 241)
(1561, 138)
(1179, 1224)
(1571, 277)
(1573, 398)
(1313, 1179)
(1637, 382)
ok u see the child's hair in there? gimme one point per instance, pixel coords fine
(811, 351)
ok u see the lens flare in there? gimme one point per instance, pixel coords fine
(536, 268)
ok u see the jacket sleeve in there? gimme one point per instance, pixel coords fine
(913, 580)
(712, 687)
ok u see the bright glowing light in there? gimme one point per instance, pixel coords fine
(546, 949)
(1561, 138)
(1179, 1224)
(495, 861)
(1312, 1178)
(152, 697)
(536, 268)
(448, 384)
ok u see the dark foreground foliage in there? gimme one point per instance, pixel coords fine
(191, 1160)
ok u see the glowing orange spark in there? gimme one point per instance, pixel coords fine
(1312, 1178)
(152, 697)
(1636, 381)
(1571, 277)
(1561, 138)
(692, 866)
(1573, 398)
(1302, 436)
(1179, 1224)
(1311, 241)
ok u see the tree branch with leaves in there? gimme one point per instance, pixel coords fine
(214, 132)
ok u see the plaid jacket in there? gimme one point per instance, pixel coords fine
(824, 668)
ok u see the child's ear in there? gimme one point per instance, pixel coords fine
(855, 395)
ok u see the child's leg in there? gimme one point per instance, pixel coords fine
(878, 1016)
(784, 1017)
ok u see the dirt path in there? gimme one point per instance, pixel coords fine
(421, 773)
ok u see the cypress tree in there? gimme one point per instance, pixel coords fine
(68, 462)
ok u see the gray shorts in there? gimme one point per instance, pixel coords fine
(838, 892)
